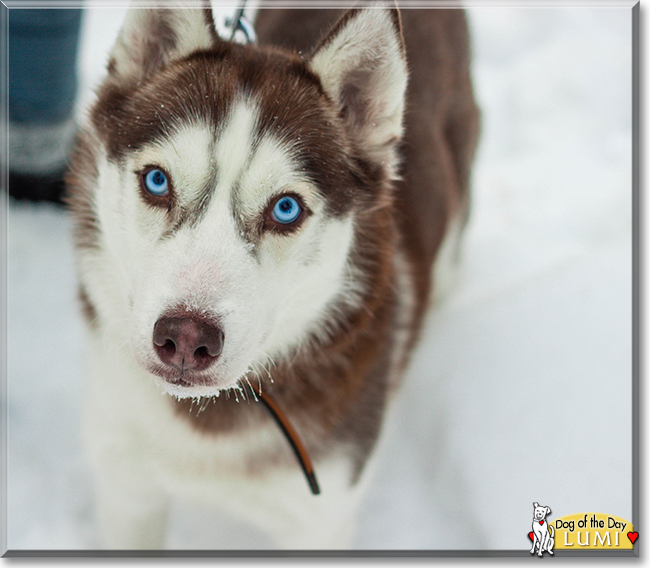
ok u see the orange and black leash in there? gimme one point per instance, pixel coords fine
(293, 438)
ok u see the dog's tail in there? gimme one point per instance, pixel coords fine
(551, 530)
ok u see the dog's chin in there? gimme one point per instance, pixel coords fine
(193, 391)
(190, 384)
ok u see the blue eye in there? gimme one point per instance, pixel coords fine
(155, 182)
(287, 210)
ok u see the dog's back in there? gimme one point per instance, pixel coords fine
(441, 121)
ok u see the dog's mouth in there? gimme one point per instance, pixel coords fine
(188, 381)
(183, 381)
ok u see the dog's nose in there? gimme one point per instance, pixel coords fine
(188, 343)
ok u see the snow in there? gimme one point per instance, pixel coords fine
(521, 388)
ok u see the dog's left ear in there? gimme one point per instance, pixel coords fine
(153, 35)
(362, 67)
(548, 510)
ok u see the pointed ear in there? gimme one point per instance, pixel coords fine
(150, 38)
(362, 67)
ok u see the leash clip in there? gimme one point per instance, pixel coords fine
(241, 23)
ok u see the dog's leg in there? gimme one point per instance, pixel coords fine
(542, 543)
(535, 542)
(130, 514)
(446, 266)
(298, 520)
(330, 531)
(323, 522)
(131, 510)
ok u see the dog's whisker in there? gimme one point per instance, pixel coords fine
(252, 389)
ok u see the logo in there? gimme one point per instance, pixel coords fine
(592, 531)
(542, 534)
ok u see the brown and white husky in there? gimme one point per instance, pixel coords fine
(256, 228)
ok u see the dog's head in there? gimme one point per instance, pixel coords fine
(540, 513)
(221, 191)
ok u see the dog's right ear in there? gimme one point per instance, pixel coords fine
(362, 67)
(150, 38)
(535, 504)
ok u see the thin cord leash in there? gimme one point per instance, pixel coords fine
(292, 436)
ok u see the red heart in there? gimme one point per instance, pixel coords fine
(541, 522)
(633, 536)
(531, 536)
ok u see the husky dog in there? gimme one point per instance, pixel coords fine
(261, 220)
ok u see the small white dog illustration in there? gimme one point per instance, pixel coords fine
(543, 533)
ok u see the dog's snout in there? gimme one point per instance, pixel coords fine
(188, 343)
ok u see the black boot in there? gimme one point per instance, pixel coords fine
(28, 187)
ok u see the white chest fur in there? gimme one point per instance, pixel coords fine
(145, 455)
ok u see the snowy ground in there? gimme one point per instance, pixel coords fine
(521, 389)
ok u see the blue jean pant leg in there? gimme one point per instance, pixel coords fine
(42, 64)
(42, 91)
